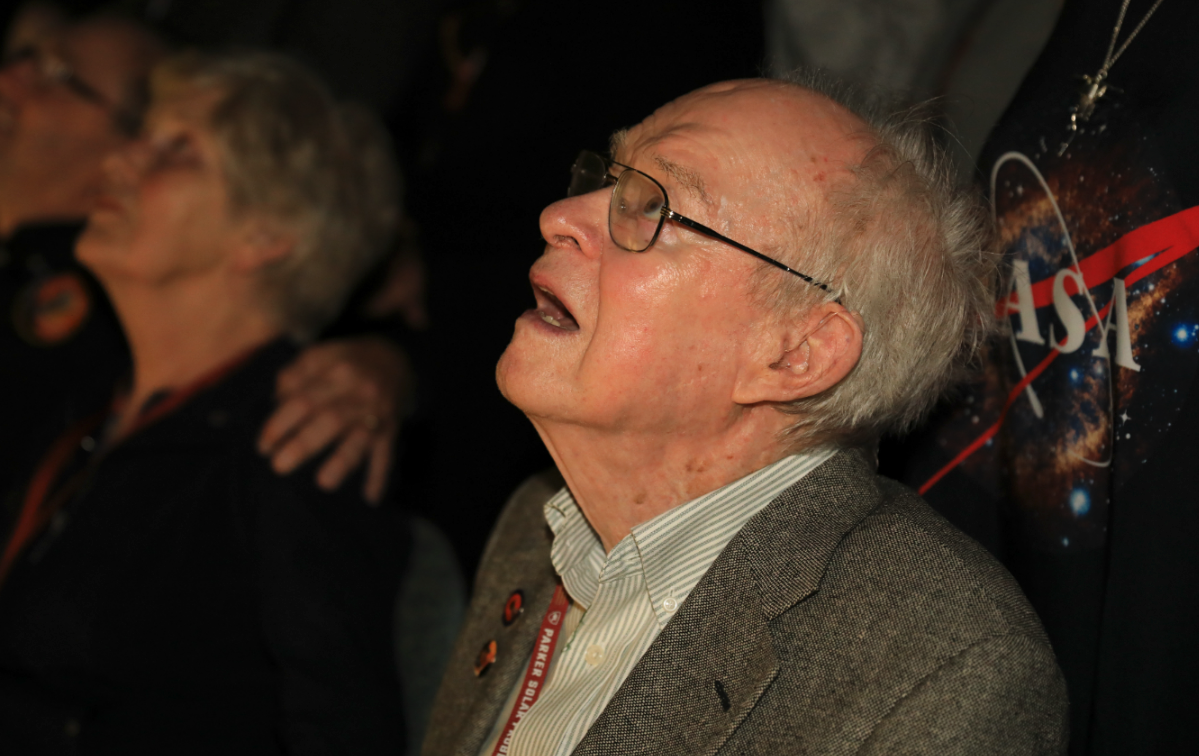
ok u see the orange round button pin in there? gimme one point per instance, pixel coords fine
(514, 607)
(485, 659)
(50, 310)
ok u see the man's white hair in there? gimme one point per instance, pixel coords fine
(910, 252)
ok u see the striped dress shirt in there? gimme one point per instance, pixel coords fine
(620, 601)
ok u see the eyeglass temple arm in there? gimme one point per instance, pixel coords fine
(672, 215)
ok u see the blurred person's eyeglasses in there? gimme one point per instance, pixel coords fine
(51, 69)
(639, 207)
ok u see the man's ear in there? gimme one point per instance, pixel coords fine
(803, 358)
(260, 244)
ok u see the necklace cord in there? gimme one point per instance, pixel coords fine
(1110, 60)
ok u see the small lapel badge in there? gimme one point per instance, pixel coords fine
(51, 310)
(514, 608)
(485, 658)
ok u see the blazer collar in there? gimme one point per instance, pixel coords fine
(709, 666)
(789, 543)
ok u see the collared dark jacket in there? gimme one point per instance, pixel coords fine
(844, 618)
(191, 601)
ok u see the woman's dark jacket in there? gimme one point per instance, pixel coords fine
(189, 600)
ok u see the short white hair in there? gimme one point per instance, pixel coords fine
(293, 154)
(909, 251)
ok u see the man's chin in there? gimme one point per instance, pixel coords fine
(504, 377)
(523, 380)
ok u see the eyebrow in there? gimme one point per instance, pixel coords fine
(691, 180)
(616, 141)
(688, 178)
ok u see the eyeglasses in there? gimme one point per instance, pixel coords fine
(53, 70)
(639, 207)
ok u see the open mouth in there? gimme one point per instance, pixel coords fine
(551, 310)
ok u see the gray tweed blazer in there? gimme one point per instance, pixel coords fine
(845, 618)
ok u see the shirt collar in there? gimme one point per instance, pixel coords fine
(674, 549)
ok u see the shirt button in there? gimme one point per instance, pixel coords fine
(670, 604)
(594, 655)
(87, 443)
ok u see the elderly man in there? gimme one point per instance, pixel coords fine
(69, 96)
(724, 572)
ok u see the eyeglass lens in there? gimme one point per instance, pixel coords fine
(588, 174)
(635, 207)
(635, 213)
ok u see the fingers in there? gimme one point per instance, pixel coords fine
(378, 469)
(344, 393)
(348, 455)
(287, 418)
(317, 432)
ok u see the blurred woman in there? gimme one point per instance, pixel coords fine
(163, 591)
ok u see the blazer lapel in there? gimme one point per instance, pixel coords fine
(700, 677)
(467, 704)
(486, 694)
(790, 542)
(710, 665)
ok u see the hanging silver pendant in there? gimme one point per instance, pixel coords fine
(1094, 88)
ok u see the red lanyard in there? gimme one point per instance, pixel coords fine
(34, 516)
(39, 506)
(539, 665)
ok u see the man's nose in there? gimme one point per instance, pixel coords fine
(578, 222)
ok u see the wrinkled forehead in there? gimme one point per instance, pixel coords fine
(731, 137)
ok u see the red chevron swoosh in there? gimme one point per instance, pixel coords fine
(1163, 241)
(1178, 230)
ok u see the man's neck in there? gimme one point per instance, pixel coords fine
(622, 480)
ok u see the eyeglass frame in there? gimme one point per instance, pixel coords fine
(52, 68)
(668, 214)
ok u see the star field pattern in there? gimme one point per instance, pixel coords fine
(1103, 321)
